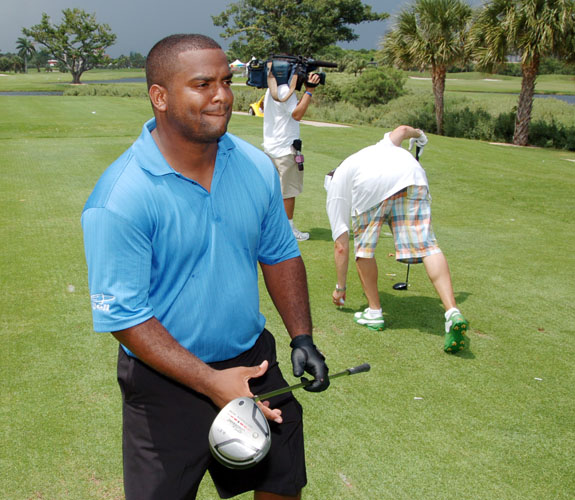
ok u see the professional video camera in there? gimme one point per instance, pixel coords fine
(291, 70)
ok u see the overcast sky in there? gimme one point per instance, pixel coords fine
(138, 24)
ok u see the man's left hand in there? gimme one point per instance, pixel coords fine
(420, 141)
(306, 357)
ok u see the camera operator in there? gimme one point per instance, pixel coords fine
(281, 129)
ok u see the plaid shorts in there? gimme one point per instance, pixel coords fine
(408, 215)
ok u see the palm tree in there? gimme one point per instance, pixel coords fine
(25, 49)
(530, 28)
(430, 34)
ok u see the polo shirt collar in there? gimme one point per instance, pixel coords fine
(151, 159)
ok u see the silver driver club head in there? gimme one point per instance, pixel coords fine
(240, 435)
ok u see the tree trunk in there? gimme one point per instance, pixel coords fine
(438, 81)
(76, 77)
(525, 104)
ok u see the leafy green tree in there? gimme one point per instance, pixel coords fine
(430, 34)
(532, 29)
(296, 27)
(137, 60)
(354, 63)
(26, 50)
(78, 43)
(122, 62)
(331, 53)
(10, 62)
(40, 59)
(376, 86)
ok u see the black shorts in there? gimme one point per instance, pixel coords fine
(165, 434)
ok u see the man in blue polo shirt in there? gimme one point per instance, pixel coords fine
(173, 232)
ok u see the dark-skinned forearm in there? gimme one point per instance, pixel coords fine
(286, 283)
(154, 345)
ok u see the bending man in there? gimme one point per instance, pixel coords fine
(383, 183)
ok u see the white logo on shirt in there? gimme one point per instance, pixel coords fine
(101, 302)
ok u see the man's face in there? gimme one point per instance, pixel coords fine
(199, 98)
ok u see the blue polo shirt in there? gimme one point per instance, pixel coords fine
(159, 245)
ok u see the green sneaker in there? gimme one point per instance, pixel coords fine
(377, 323)
(455, 331)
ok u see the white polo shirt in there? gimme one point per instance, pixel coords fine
(366, 178)
(280, 129)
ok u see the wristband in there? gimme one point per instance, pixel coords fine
(308, 93)
(339, 289)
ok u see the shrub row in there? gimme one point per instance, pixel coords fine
(113, 90)
(480, 125)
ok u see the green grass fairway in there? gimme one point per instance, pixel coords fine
(496, 422)
(481, 82)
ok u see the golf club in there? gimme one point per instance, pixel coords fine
(240, 434)
(403, 285)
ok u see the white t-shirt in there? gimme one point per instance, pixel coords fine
(280, 129)
(366, 178)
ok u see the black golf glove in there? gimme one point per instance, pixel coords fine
(306, 357)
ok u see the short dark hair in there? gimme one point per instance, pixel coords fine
(161, 59)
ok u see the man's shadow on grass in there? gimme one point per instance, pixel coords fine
(402, 310)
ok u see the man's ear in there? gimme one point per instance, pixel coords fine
(158, 97)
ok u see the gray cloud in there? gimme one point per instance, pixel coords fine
(138, 24)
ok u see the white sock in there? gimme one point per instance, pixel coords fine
(290, 223)
(374, 313)
(450, 312)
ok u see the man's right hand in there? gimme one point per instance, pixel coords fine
(312, 79)
(233, 383)
(338, 297)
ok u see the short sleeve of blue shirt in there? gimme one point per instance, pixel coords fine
(119, 255)
(159, 245)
